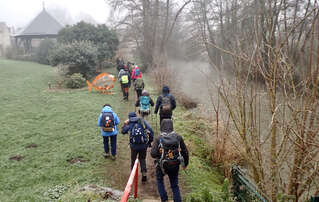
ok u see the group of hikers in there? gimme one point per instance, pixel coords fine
(127, 74)
(168, 149)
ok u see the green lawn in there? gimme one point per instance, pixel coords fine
(62, 125)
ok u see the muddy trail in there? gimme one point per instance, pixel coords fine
(119, 170)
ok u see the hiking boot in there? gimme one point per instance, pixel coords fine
(113, 157)
(144, 177)
(106, 155)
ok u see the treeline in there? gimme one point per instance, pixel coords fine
(271, 49)
(79, 51)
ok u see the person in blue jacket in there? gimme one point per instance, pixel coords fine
(108, 121)
(138, 147)
(165, 103)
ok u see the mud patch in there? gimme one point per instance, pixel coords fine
(16, 157)
(32, 145)
(79, 159)
(105, 193)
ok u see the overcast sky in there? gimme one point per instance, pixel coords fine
(19, 13)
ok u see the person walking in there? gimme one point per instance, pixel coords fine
(144, 102)
(125, 81)
(141, 137)
(108, 121)
(165, 103)
(119, 63)
(136, 73)
(138, 86)
(170, 152)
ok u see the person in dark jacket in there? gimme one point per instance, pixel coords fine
(156, 152)
(125, 82)
(138, 149)
(165, 114)
(144, 110)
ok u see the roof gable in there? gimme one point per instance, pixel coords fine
(43, 24)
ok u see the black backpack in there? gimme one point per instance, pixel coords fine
(170, 151)
(138, 133)
(166, 106)
(107, 122)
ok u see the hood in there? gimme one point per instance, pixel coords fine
(145, 93)
(167, 126)
(165, 90)
(131, 115)
(133, 119)
(107, 109)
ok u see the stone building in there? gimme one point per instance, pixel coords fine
(5, 40)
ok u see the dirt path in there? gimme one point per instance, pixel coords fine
(119, 170)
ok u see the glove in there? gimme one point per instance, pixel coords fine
(126, 122)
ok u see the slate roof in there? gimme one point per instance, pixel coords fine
(43, 24)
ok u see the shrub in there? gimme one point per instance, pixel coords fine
(79, 56)
(76, 80)
(42, 52)
(104, 39)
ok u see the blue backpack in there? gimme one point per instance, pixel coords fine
(138, 134)
(144, 104)
(137, 72)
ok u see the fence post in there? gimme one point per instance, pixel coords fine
(136, 181)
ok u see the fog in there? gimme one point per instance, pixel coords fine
(198, 81)
(17, 13)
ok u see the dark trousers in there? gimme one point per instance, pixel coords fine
(164, 117)
(141, 157)
(139, 92)
(125, 90)
(113, 144)
(173, 179)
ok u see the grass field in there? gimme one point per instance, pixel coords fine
(42, 130)
(61, 125)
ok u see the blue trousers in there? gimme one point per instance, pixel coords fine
(173, 179)
(113, 144)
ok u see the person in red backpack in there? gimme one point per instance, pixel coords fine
(136, 73)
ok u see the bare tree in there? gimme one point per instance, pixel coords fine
(154, 22)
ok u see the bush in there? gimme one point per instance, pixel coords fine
(76, 80)
(42, 52)
(104, 39)
(79, 56)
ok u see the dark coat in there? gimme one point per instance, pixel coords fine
(133, 119)
(165, 92)
(167, 127)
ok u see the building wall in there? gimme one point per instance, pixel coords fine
(5, 41)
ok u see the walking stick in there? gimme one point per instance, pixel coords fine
(151, 114)
(156, 124)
